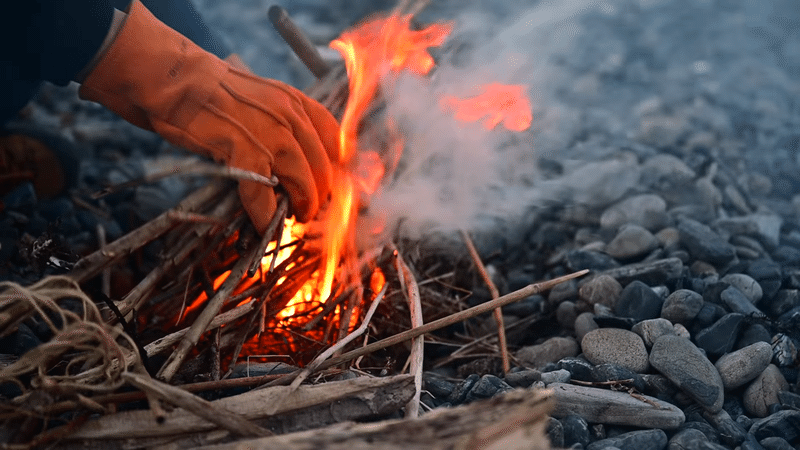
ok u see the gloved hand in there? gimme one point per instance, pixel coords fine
(157, 79)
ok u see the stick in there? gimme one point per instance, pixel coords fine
(269, 234)
(196, 169)
(460, 316)
(498, 312)
(232, 422)
(205, 318)
(91, 264)
(418, 344)
(298, 42)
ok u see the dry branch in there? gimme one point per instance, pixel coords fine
(515, 420)
(498, 313)
(418, 343)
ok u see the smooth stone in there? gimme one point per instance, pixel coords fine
(576, 430)
(684, 439)
(584, 323)
(556, 376)
(765, 227)
(461, 390)
(682, 306)
(721, 336)
(555, 432)
(488, 386)
(602, 289)
(730, 432)
(776, 443)
(611, 372)
(633, 440)
(639, 302)
(784, 423)
(650, 330)
(630, 242)
(614, 408)
(646, 210)
(688, 368)
(745, 283)
(750, 443)
(705, 244)
(615, 346)
(566, 313)
(752, 334)
(789, 399)
(523, 378)
(549, 351)
(783, 301)
(668, 238)
(579, 368)
(769, 275)
(737, 302)
(763, 391)
(594, 261)
(742, 366)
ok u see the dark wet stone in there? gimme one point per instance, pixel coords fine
(523, 378)
(639, 302)
(733, 405)
(602, 289)
(720, 337)
(19, 342)
(709, 313)
(555, 432)
(776, 443)
(583, 259)
(682, 306)
(787, 255)
(684, 364)
(659, 386)
(730, 432)
(576, 431)
(461, 390)
(579, 369)
(438, 387)
(634, 440)
(705, 244)
(525, 307)
(789, 399)
(488, 386)
(750, 443)
(783, 301)
(752, 334)
(613, 372)
(711, 434)
(625, 323)
(686, 437)
(783, 423)
(737, 302)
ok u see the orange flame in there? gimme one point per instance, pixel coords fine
(497, 103)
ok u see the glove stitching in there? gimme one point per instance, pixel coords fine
(253, 140)
(254, 104)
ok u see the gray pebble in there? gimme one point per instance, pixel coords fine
(684, 439)
(688, 368)
(556, 376)
(602, 289)
(615, 346)
(742, 366)
(584, 323)
(566, 313)
(633, 440)
(763, 392)
(631, 241)
(647, 210)
(682, 306)
(650, 330)
(737, 301)
(705, 244)
(549, 351)
(745, 283)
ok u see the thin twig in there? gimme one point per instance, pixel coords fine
(91, 264)
(192, 169)
(232, 422)
(438, 324)
(418, 344)
(269, 235)
(498, 313)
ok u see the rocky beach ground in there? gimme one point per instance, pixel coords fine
(666, 134)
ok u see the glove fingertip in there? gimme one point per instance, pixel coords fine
(260, 203)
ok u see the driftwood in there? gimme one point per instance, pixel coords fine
(314, 405)
(510, 421)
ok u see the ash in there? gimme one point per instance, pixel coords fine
(663, 156)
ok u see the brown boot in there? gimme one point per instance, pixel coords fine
(46, 160)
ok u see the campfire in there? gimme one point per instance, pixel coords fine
(303, 294)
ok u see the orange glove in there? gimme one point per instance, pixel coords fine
(158, 79)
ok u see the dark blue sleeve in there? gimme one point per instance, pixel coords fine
(53, 40)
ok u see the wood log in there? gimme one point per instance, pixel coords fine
(326, 403)
(513, 420)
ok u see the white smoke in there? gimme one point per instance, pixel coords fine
(456, 175)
